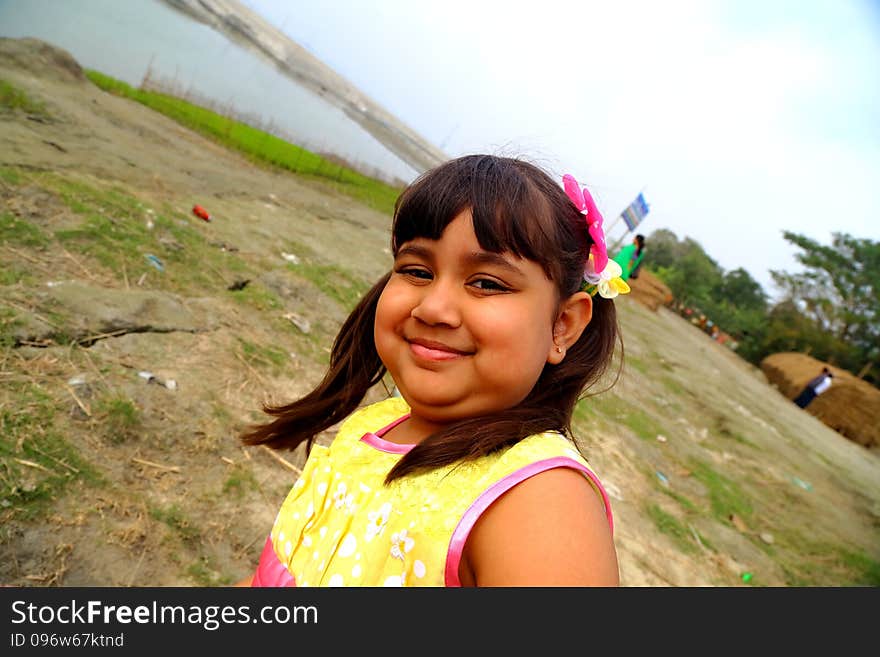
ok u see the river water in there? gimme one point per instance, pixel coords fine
(126, 39)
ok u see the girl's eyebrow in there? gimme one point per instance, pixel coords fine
(496, 259)
(415, 251)
(474, 258)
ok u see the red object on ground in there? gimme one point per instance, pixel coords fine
(201, 213)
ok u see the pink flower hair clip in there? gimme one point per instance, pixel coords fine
(598, 275)
(584, 203)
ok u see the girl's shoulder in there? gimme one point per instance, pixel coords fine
(543, 452)
(503, 469)
(541, 446)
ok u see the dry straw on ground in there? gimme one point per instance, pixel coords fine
(851, 406)
(649, 290)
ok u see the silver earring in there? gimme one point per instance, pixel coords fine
(558, 349)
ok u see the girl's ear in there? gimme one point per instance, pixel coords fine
(574, 315)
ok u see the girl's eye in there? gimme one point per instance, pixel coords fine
(489, 285)
(415, 272)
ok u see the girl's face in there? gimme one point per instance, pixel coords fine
(463, 331)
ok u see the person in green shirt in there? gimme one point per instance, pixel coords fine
(630, 257)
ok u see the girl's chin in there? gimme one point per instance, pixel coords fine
(431, 403)
(443, 409)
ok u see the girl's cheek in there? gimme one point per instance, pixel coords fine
(380, 323)
(390, 308)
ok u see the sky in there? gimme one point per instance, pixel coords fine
(736, 119)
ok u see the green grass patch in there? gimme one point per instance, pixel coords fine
(637, 364)
(12, 275)
(257, 144)
(10, 176)
(176, 519)
(113, 229)
(239, 482)
(205, 573)
(221, 413)
(684, 502)
(738, 437)
(724, 429)
(263, 356)
(620, 411)
(865, 569)
(21, 232)
(13, 98)
(669, 525)
(609, 406)
(112, 242)
(258, 296)
(121, 419)
(673, 386)
(809, 562)
(37, 464)
(642, 424)
(194, 262)
(8, 321)
(725, 496)
(586, 411)
(85, 199)
(114, 232)
(335, 282)
(59, 335)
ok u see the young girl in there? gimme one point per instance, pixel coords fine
(495, 317)
(630, 258)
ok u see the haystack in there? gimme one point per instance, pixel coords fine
(649, 290)
(851, 406)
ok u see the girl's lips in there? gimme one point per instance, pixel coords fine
(430, 350)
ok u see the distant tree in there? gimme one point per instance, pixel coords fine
(831, 310)
(739, 289)
(839, 292)
(738, 305)
(750, 328)
(662, 249)
(790, 329)
(693, 276)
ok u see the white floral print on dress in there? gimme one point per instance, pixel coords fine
(377, 521)
(343, 500)
(401, 544)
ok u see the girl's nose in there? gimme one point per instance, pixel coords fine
(437, 305)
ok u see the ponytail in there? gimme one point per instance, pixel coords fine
(354, 369)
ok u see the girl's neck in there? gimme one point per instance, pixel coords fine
(411, 431)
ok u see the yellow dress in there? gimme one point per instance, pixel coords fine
(340, 525)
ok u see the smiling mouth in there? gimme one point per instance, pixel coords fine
(431, 350)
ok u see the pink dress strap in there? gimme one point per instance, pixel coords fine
(270, 570)
(467, 522)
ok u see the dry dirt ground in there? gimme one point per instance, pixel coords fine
(109, 480)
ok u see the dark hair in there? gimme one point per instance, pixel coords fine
(517, 208)
(640, 242)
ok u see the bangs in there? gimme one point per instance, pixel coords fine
(510, 209)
